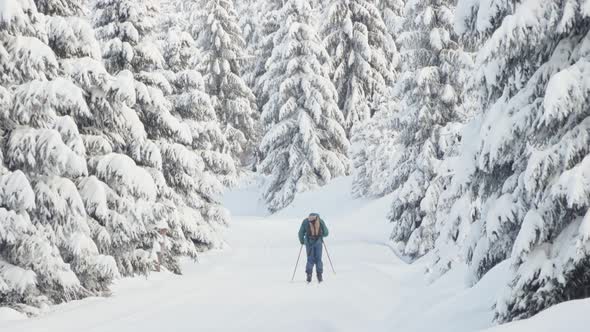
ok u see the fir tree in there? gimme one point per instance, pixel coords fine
(247, 11)
(304, 145)
(455, 207)
(430, 90)
(355, 30)
(393, 15)
(127, 230)
(363, 55)
(374, 148)
(205, 158)
(128, 108)
(530, 168)
(186, 191)
(45, 157)
(268, 27)
(220, 39)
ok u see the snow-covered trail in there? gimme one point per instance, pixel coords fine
(247, 286)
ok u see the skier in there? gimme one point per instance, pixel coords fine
(311, 233)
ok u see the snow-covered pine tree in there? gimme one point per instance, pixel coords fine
(531, 168)
(220, 38)
(127, 28)
(373, 143)
(206, 161)
(392, 12)
(72, 39)
(44, 155)
(318, 7)
(124, 27)
(175, 15)
(363, 55)
(430, 89)
(305, 144)
(374, 148)
(190, 103)
(187, 196)
(105, 123)
(247, 12)
(252, 14)
(113, 206)
(455, 209)
(268, 27)
(32, 271)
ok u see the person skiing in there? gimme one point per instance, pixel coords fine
(311, 233)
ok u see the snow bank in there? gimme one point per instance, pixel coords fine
(8, 314)
(569, 316)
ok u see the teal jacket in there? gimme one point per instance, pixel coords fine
(303, 239)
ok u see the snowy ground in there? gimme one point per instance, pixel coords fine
(247, 287)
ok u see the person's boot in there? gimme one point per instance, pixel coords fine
(308, 277)
(320, 278)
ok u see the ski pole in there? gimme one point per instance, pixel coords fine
(298, 256)
(329, 259)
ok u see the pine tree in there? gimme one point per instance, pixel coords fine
(393, 15)
(192, 106)
(456, 207)
(205, 158)
(268, 27)
(115, 207)
(253, 20)
(48, 240)
(374, 148)
(32, 271)
(124, 210)
(430, 90)
(73, 41)
(365, 58)
(363, 55)
(247, 12)
(173, 148)
(530, 169)
(304, 145)
(127, 28)
(219, 37)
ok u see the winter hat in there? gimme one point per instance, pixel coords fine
(313, 214)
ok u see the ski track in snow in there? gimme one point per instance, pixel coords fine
(247, 287)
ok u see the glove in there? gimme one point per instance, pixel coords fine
(301, 242)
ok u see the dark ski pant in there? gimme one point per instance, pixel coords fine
(314, 257)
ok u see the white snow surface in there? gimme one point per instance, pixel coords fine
(247, 287)
(7, 314)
